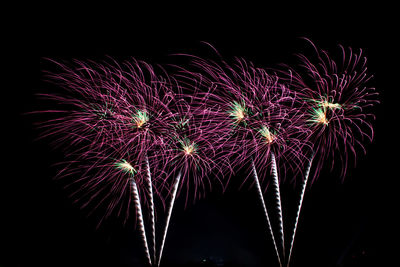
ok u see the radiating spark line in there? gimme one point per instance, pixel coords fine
(150, 186)
(140, 218)
(265, 209)
(299, 209)
(175, 190)
(278, 199)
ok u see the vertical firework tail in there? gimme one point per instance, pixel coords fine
(278, 200)
(153, 227)
(265, 209)
(303, 189)
(172, 202)
(138, 206)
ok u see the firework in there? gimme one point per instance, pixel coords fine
(131, 135)
(261, 120)
(147, 119)
(111, 109)
(86, 115)
(110, 180)
(259, 114)
(337, 98)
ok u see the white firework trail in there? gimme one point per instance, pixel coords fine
(303, 189)
(174, 191)
(278, 200)
(150, 187)
(265, 209)
(138, 206)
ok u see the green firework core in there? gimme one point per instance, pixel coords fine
(318, 116)
(125, 166)
(188, 147)
(266, 133)
(237, 111)
(140, 118)
(319, 113)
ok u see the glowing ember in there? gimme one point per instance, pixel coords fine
(237, 112)
(188, 147)
(140, 118)
(325, 104)
(319, 117)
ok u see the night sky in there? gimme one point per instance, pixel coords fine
(342, 224)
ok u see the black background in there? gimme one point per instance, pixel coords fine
(342, 224)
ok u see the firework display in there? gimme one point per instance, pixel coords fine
(114, 121)
(133, 137)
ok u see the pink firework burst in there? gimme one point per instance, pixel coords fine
(112, 111)
(194, 151)
(260, 120)
(195, 146)
(257, 113)
(86, 112)
(338, 101)
(109, 104)
(111, 180)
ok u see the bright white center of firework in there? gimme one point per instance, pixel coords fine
(140, 122)
(188, 150)
(237, 111)
(266, 133)
(321, 118)
(140, 118)
(239, 114)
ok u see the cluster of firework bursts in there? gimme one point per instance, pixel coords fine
(132, 136)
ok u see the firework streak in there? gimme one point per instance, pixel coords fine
(150, 187)
(260, 194)
(303, 189)
(278, 199)
(136, 199)
(171, 206)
